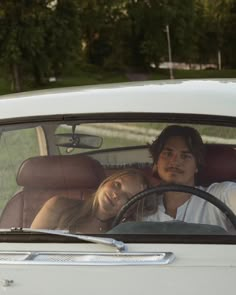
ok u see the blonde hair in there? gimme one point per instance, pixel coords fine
(89, 207)
(142, 178)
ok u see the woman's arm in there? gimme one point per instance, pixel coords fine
(49, 215)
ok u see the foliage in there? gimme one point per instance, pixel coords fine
(32, 34)
(44, 38)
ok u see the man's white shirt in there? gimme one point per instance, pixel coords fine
(197, 210)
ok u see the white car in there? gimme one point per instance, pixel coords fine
(64, 142)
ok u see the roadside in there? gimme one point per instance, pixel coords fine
(132, 76)
(138, 133)
(99, 76)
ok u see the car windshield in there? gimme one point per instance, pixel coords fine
(106, 178)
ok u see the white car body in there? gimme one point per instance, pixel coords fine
(141, 267)
(145, 97)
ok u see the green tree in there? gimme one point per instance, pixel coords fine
(62, 42)
(214, 16)
(21, 36)
(182, 26)
(148, 29)
(229, 41)
(37, 37)
(96, 24)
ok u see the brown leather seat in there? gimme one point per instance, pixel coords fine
(75, 176)
(220, 164)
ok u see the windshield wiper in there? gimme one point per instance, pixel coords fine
(120, 246)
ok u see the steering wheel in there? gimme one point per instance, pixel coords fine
(177, 188)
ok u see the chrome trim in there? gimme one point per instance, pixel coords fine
(118, 245)
(85, 258)
(6, 282)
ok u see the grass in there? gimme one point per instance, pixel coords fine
(88, 76)
(210, 131)
(15, 146)
(5, 86)
(84, 78)
(193, 74)
(91, 75)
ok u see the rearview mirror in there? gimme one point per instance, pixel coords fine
(77, 140)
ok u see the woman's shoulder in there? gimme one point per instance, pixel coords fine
(57, 203)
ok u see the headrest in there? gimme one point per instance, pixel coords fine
(220, 164)
(60, 172)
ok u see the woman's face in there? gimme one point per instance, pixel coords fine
(115, 193)
(176, 164)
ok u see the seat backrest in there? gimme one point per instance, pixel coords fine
(76, 177)
(220, 164)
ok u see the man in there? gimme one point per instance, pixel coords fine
(178, 155)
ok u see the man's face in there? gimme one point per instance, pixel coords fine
(176, 164)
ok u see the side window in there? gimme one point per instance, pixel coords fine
(15, 147)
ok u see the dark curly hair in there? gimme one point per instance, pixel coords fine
(191, 136)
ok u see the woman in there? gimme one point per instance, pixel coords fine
(97, 213)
